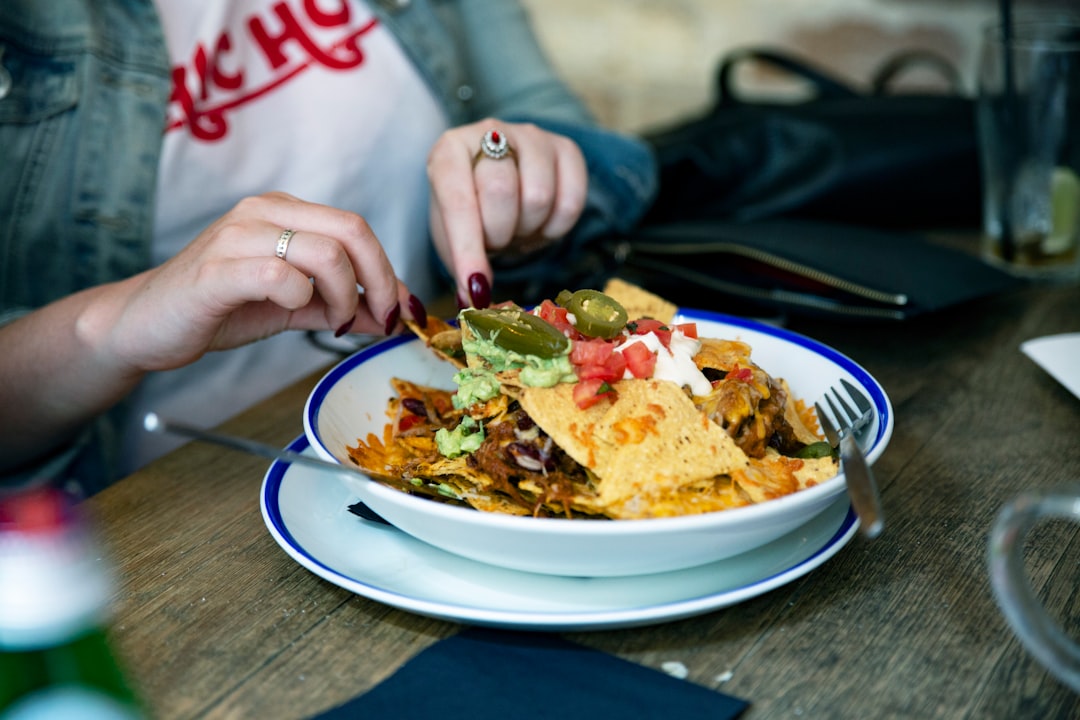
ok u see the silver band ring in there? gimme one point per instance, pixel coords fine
(283, 242)
(495, 146)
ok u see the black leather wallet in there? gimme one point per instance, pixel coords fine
(802, 266)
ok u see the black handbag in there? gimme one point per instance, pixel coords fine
(873, 157)
(814, 207)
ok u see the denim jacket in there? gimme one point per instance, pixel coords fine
(83, 91)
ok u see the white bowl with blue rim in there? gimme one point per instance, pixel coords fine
(350, 401)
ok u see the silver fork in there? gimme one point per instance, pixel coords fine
(849, 422)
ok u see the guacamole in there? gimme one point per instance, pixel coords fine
(465, 438)
(475, 385)
(535, 371)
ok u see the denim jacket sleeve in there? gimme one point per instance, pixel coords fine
(80, 134)
(461, 47)
(80, 137)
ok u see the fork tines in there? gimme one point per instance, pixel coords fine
(848, 414)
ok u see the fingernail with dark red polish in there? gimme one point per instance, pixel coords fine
(345, 328)
(392, 318)
(479, 290)
(418, 311)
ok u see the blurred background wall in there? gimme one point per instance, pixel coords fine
(641, 64)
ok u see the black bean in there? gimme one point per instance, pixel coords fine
(415, 406)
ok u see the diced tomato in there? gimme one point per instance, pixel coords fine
(738, 373)
(589, 392)
(641, 326)
(640, 360)
(591, 352)
(688, 329)
(644, 326)
(552, 313)
(615, 366)
(596, 358)
(407, 421)
(611, 370)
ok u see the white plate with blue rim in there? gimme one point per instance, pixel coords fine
(307, 511)
(349, 402)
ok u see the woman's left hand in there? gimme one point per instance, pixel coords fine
(515, 204)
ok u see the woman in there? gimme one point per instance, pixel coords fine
(309, 147)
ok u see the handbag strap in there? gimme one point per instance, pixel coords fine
(826, 86)
(904, 61)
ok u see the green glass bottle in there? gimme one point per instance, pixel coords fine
(55, 593)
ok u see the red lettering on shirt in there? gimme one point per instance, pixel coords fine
(326, 19)
(205, 91)
(222, 79)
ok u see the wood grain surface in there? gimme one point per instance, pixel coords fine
(215, 620)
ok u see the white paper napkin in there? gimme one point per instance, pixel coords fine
(1058, 355)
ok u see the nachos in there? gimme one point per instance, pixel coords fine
(596, 405)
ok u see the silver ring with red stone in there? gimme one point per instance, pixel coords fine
(495, 146)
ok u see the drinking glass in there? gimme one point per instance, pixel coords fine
(1028, 113)
(1029, 619)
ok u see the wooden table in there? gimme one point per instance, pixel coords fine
(215, 620)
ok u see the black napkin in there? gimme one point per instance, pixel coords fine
(482, 673)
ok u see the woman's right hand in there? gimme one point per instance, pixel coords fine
(69, 361)
(228, 288)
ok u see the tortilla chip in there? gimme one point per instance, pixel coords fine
(723, 355)
(640, 303)
(709, 495)
(443, 338)
(776, 475)
(802, 420)
(492, 502)
(414, 465)
(650, 441)
(816, 470)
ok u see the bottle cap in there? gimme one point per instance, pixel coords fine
(54, 582)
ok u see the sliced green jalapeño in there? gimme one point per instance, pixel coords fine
(517, 331)
(814, 450)
(595, 314)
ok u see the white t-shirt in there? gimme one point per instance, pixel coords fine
(312, 98)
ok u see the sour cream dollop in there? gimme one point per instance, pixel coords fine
(676, 364)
